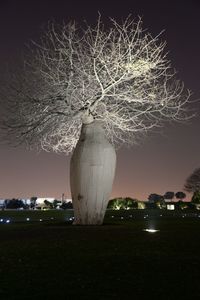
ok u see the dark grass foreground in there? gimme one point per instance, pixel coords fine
(55, 260)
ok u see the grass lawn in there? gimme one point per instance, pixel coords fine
(55, 260)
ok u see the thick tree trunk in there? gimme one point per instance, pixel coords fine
(92, 171)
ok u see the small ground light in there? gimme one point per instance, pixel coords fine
(151, 230)
(40, 220)
(27, 219)
(1, 220)
(7, 221)
(122, 217)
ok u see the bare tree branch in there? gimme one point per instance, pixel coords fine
(119, 75)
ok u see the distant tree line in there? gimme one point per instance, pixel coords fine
(160, 200)
(20, 204)
(192, 185)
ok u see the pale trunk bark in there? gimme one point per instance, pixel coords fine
(92, 171)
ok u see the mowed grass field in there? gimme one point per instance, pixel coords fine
(52, 259)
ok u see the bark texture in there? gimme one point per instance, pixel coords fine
(92, 171)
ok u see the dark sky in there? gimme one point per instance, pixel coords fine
(163, 161)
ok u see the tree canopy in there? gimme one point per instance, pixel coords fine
(180, 195)
(118, 75)
(169, 195)
(192, 183)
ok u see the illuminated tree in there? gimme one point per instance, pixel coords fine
(119, 76)
(122, 203)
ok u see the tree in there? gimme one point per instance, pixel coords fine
(15, 204)
(180, 195)
(192, 185)
(158, 200)
(56, 203)
(141, 205)
(76, 76)
(193, 182)
(196, 197)
(120, 76)
(130, 203)
(169, 195)
(67, 205)
(33, 202)
(154, 197)
(48, 204)
(114, 203)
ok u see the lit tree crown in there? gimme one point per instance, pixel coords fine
(118, 75)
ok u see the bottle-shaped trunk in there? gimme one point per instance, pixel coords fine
(92, 171)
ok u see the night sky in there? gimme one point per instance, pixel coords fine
(163, 160)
